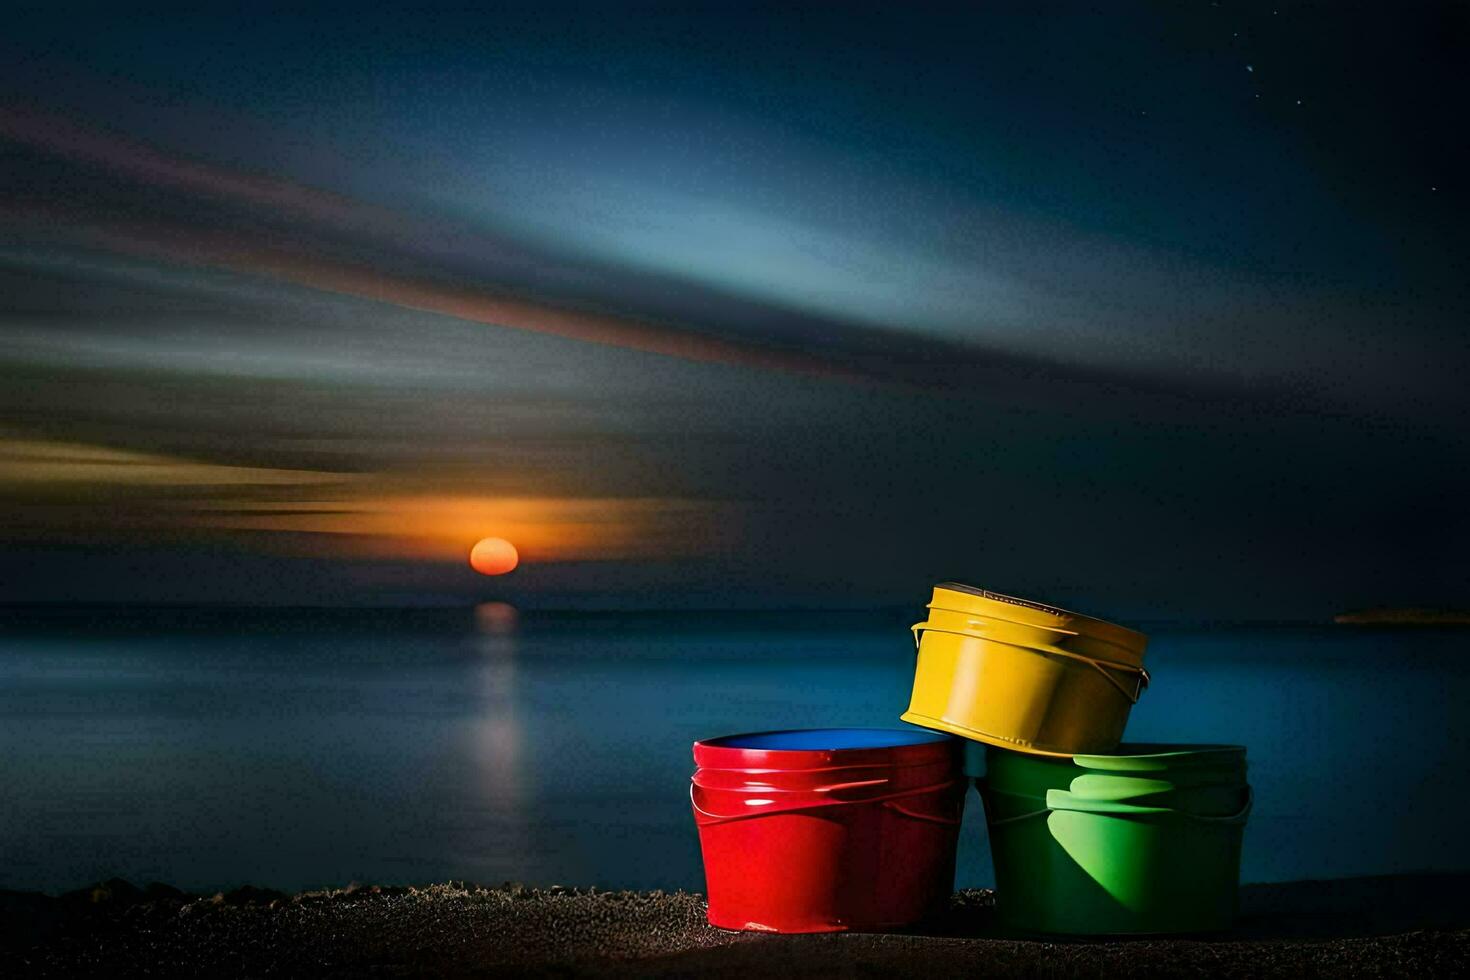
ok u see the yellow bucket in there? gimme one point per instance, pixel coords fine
(1022, 675)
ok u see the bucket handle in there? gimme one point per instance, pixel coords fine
(1103, 667)
(889, 801)
(1236, 817)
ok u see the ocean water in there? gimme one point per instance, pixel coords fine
(303, 749)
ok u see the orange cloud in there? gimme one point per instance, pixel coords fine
(54, 490)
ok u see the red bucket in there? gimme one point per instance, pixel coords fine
(829, 829)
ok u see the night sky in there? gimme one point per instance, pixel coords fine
(1158, 311)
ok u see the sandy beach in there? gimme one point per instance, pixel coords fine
(1400, 926)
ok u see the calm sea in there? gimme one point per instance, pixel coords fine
(306, 749)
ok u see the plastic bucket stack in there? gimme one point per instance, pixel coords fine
(828, 829)
(1088, 836)
(834, 829)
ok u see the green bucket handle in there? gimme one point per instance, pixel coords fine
(1125, 809)
(1101, 666)
(1120, 789)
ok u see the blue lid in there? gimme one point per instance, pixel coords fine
(829, 739)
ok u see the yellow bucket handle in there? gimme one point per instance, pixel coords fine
(1101, 666)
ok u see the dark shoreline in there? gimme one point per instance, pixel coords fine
(1402, 925)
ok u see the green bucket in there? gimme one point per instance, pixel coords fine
(1143, 850)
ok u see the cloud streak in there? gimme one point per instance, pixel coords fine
(317, 213)
(38, 463)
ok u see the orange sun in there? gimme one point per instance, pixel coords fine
(494, 556)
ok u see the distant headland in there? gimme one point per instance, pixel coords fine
(1404, 617)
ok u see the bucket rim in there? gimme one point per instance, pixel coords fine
(990, 789)
(1029, 612)
(1185, 753)
(807, 748)
(1169, 754)
(991, 741)
(769, 741)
